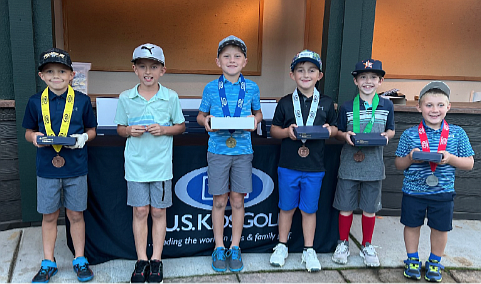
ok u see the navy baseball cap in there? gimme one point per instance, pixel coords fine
(55, 55)
(438, 85)
(307, 55)
(368, 65)
(232, 40)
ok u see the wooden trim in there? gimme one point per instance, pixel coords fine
(7, 103)
(432, 77)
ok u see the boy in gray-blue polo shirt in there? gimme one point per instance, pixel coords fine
(230, 153)
(149, 115)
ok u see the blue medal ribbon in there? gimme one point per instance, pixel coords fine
(240, 99)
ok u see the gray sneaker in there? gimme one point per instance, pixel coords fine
(234, 259)
(369, 254)
(218, 260)
(341, 253)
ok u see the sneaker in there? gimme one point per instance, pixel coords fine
(81, 267)
(278, 257)
(412, 268)
(433, 271)
(48, 269)
(234, 259)
(218, 260)
(309, 256)
(369, 254)
(141, 272)
(156, 271)
(341, 253)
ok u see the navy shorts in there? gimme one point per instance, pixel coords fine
(299, 189)
(440, 213)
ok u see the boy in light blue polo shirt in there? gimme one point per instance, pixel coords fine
(229, 155)
(149, 115)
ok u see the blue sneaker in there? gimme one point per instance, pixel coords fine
(433, 271)
(81, 267)
(218, 260)
(234, 259)
(412, 268)
(48, 269)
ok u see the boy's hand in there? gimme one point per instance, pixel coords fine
(34, 139)
(156, 130)
(385, 134)
(411, 156)
(136, 130)
(446, 158)
(326, 125)
(347, 137)
(290, 131)
(207, 123)
(81, 139)
(255, 123)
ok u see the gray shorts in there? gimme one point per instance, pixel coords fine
(50, 197)
(157, 194)
(236, 168)
(347, 196)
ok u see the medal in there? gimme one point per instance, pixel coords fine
(303, 151)
(359, 156)
(432, 180)
(231, 142)
(58, 161)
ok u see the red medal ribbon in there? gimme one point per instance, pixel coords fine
(443, 141)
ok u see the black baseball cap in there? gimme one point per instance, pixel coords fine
(55, 55)
(368, 65)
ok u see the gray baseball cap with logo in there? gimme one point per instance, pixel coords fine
(435, 85)
(149, 51)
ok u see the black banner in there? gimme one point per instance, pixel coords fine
(108, 219)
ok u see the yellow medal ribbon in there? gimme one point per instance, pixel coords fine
(67, 115)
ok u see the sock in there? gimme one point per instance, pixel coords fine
(345, 223)
(434, 257)
(367, 228)
(306, 248)
(413, 255)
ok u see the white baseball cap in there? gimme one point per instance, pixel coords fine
(149, 51)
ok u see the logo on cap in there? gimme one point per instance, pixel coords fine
(367, 64)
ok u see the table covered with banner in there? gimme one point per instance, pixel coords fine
(108, 219)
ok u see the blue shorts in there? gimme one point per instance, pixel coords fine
(299, 189)
(439, 213)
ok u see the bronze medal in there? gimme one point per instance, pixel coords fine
(231, 142)
(58, 161)
(303, 151)
(359, 156)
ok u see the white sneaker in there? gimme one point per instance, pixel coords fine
(369, 254)
(341, 253)
(309, 256)
(278, 257)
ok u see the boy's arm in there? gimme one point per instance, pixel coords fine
(203, 119)
(403, 163)
(332, 129)
(31, 136)
(462, 163)
(281, 133)
(91, 132)
(157, 130)
(257, 114)
(132, 130)
(389, 134)
(345, 136)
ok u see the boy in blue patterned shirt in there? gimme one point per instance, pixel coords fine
(429, 187)
(229, 155)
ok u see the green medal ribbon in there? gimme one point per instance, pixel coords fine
(357, 117)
